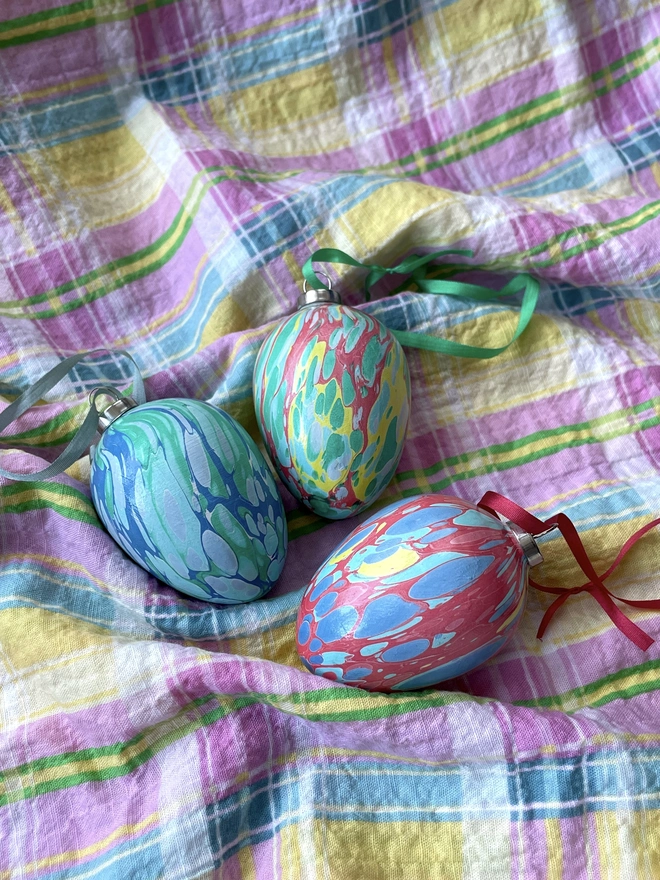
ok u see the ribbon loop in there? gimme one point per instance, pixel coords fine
(85, 433)
(498, 505)
(418, 266)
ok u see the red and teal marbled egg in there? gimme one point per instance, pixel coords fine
(332, 398)
(423, 591)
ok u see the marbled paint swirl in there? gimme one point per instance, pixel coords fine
(423, 591)
(184, 490)
(332, 397)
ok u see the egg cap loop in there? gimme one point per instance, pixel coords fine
(318, 295)
(85, 434)
(110, 413)
(500, 506)
(526, 543)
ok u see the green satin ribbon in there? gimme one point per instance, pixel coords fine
(417, 267)
(84, 435)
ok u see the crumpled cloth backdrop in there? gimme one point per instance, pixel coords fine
(166, 168)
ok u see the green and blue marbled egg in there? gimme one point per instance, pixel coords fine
(185, 491)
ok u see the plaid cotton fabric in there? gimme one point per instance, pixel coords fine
(166, 167)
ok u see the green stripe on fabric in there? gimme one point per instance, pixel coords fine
(189, 206)
(154, 742)
(43, 504)
(45, 15)
(583, 86)
(97, 16)
(574, 696)
(316, 705)
(530, 439)
(10, 490)
(607, 228)
(55, 497)
(52, 432)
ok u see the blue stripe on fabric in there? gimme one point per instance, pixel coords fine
(53, 123)
(27, 145)
(595, 510)
(259, 60)
(297, 219)
(378, 20)
(187, 619)
(265, 58)
(547, 788)
(640, 149)
(198, 621)
(573, 302)
(574, 174)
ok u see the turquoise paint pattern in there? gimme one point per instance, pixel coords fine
(185, 491)
(332, 398)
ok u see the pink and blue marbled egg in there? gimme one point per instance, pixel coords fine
(423, 591)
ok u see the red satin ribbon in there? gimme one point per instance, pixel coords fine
(495, 503)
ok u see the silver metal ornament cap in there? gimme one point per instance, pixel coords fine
(117, 408)
(527, 544)
(313, 297)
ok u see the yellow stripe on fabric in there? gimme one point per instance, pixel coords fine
(9, 210)
(377, 218)
(414, 850)
(609, 848)
(45, 493)
(554, 850)
(468, 23)
(290, 99)
(277, 644)
(292, 866)
(626, 686)
(227, 317)
(645, 833)
(246, 863)
(69, 88)
(552, 501)
(63, 21)
(92, 160)
(637, 359)
(34, 635)
(271, 25)
(602, 544)
(449, 763)
(64, 706)
(512, 370)
(644, 317)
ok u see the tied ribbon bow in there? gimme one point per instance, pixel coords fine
(418, 267)
(496, 504)
(413, 265)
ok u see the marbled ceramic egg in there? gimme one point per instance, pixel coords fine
(423, 591)
(332, 397)
(184, 490)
